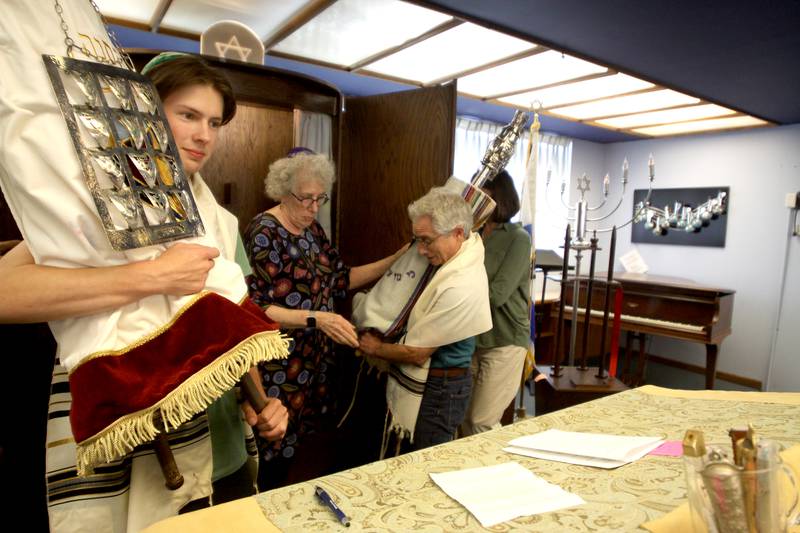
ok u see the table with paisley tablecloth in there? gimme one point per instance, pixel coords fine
(397, 494)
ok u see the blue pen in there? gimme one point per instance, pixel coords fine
(326, 499)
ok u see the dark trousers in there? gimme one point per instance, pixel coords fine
(444, 405)
(314, 457)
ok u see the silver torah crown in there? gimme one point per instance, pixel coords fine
(501, 149)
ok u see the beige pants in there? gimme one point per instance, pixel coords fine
(496, 375)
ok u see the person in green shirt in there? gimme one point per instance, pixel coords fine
(500, 353)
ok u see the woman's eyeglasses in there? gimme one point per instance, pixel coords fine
(306, 201)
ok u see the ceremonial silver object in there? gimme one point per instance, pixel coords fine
(128, 156)
(501, 149)
(578, 214)
(494, 160)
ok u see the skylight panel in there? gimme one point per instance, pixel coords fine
(622, 105)
(264, 18)
(702, 125)
(351, 30)
(141, 11)
(579, 91)
(664, 117)
(456, 50)
(527, 73)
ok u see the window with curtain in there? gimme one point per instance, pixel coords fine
(555, 156)
(313, 131)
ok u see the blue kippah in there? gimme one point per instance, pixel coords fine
(300, 150)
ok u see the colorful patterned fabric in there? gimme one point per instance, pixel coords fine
(296, 272)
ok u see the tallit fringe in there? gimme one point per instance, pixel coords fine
(390, 426)
(355, 393)
(189, 398)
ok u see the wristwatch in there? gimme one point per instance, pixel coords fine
(311, 320)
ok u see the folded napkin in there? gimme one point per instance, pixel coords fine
(679, 519)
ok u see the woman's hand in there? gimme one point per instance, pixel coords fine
(401, 251)
(337, 328)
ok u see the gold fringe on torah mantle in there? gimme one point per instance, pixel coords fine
(191, 397)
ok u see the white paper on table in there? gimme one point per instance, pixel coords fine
(495, 494)
(587, 449)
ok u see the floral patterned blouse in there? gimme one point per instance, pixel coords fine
(296, 272)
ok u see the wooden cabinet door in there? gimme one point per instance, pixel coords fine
(256, 137)
(395, 147)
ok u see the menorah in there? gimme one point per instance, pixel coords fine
(577, 239)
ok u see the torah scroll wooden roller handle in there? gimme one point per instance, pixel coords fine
(172, 476)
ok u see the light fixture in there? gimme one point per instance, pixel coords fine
(541, 69)
(579, 91)
(621, 105)
(680, 114)
(140, 12)
(702, 125)
(352, 30)
(195, 16)
(448, 53)
(403, 41)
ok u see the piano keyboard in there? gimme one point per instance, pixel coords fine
(631, 319)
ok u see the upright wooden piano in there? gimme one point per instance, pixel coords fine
(664, 306)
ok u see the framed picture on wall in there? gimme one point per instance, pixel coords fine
(673, 207)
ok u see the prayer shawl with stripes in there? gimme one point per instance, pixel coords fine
(162, 355)
(452, 306)
(127, 492)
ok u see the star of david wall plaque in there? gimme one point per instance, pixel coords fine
(232, 40)
(125, 147)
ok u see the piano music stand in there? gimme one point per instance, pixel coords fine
(546, 261)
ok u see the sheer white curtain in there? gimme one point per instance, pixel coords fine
(313, 130)
(555, 154)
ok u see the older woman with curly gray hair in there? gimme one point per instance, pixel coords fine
(299, 280)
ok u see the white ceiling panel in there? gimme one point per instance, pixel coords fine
(579, 91)
(262, 16)
(456, 50)
(530, 72)
(680, 114)
(347, 33)
(352, 30)
(702, 125)
(622, 105)
(140, 11)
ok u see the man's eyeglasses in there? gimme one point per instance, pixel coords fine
(426, 241)
(306, 201)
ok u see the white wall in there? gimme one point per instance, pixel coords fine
(760, 167)
(784, 373)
